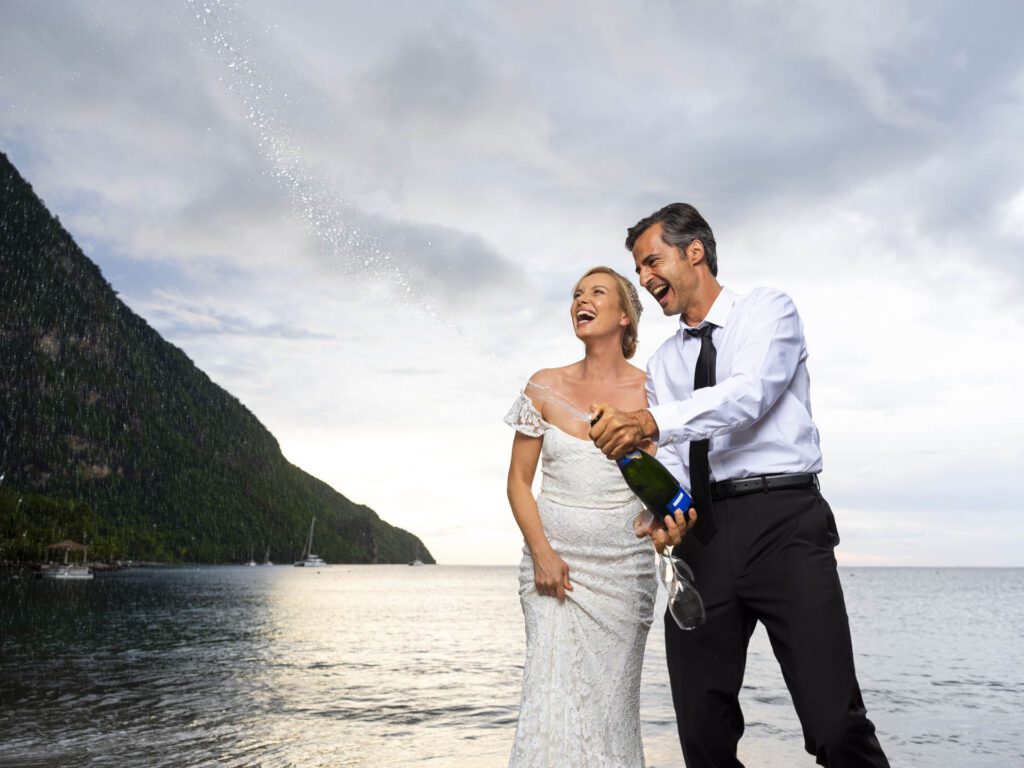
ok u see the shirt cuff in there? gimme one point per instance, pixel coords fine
(670, 423)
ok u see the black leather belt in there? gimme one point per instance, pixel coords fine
(726, 489)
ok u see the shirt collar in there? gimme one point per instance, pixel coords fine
(719, 312)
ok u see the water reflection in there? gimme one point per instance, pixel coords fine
(389, 655)
(399, 666)
(270, 666)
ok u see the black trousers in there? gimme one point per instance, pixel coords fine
(771, 561)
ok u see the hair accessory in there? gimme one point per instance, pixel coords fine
(634, 297)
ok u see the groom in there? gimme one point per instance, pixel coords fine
(730, 409)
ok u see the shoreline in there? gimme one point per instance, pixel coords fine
(8, 567)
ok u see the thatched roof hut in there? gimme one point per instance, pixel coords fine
(70, 545)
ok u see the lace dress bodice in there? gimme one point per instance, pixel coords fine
(581, 682)
(574, 472)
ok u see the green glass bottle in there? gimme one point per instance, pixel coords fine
(653, 484)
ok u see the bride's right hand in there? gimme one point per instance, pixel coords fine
(551, 574)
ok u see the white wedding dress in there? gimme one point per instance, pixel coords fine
(581, 682)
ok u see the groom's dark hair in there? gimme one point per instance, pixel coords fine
(681, 224)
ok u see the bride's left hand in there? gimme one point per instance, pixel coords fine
(551, 574)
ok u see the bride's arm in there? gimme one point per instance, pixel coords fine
(551, 574)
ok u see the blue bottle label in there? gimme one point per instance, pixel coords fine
(628, 458)
(681, 501)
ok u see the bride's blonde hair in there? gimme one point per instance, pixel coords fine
(630, 301)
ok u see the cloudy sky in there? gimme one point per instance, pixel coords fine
(365, 220)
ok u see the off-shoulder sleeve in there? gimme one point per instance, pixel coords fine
(524, 417)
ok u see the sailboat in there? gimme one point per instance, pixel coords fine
(309, 560)
(266, 557)
(417, 560)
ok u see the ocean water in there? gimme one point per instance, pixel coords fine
(399, 666)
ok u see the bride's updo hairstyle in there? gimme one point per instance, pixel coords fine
(629, 299)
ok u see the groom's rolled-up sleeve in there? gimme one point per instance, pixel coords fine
(764, 362)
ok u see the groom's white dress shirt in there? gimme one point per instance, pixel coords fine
(758, 415)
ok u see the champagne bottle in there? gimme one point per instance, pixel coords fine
(653, 484)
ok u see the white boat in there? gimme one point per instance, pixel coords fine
(308, 559)
(266, 558)
(67, 572)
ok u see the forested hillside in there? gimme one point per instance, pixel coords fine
(148, 459)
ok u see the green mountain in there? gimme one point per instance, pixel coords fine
(109, 433)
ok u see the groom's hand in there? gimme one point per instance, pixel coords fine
(671, 531)
(617, 433)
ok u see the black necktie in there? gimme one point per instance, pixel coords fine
(700, 468)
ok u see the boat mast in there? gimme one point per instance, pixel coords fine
(309, 544)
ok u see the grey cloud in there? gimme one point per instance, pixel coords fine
(122, 70)
(236, 326)
(460, 267)
(181, 318)
(237, 192)
(746, 109)
(439, 75)
(790, 111)
(137, 135)
(228, 192)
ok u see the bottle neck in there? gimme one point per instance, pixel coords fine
(631, 456)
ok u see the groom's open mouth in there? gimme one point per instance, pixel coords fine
(659, 292)
(583, 317)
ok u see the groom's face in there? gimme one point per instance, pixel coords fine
(664, 271)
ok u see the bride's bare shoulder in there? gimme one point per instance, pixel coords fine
(545, 377)
(550, 384)
(539, 383)
(552, 377)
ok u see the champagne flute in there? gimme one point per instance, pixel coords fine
(684, 601)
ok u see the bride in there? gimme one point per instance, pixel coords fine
(586, 582)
